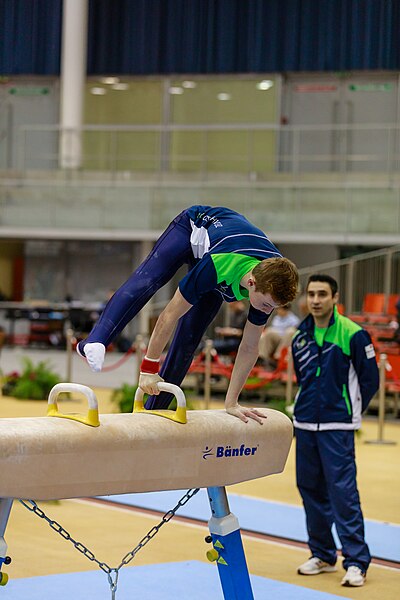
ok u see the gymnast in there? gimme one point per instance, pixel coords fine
(228, 259)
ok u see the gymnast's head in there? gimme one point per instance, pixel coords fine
(273, 282)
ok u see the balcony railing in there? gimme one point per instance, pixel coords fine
(371, 272)
(254, 152)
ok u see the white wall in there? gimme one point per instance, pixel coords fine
(307, 255)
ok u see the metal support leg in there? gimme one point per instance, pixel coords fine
(227, 548)
(5, 508)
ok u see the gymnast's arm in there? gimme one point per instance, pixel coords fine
(166, 322)
(162, 332)
(245, 361)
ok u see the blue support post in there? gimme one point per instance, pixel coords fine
(5, 508)
(227, 548)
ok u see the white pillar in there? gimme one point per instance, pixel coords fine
(73, 74)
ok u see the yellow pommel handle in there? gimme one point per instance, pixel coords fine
(212, 555)
(92, 417)
(179, 415)
(3, 578)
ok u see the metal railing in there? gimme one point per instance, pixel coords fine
(335, 183)
(254, 150)
(371, 272)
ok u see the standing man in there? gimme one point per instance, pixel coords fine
(337, 375)
(229, 259)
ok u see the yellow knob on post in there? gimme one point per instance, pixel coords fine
(3, 578)
(212, 555)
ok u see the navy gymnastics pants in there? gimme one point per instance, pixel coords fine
(171, 251)
(326, 478)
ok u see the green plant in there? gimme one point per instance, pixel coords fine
(124, 396)
(278, 404)
(34, 382)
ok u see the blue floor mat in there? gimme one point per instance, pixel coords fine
(271, 518)
(168, 581)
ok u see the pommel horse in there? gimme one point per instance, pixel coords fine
(56, 458)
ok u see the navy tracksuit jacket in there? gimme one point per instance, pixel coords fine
(336, 383)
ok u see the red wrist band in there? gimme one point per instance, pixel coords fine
(150, 366)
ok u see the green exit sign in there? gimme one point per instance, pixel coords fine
(371, 87)
(29, 91)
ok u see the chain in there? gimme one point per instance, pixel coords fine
(33, 507)
(154, 530)
(112, 573)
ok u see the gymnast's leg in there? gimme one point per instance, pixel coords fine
(191, 328)
(171, 251)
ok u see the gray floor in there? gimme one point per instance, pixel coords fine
(11, 360)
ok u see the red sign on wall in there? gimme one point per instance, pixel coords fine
(315, 87)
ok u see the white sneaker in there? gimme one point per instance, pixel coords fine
(315, 566)
(354, 577)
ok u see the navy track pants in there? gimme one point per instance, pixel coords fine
(327, 481)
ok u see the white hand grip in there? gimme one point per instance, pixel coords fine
(166, 387)
(74, 387)
(178, 415)
(92, 417)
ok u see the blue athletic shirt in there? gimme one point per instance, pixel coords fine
(225, 246)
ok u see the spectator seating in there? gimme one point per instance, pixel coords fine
(391, 304)
(374, 304)
(377, 308)
(393, 380)
(377, 314)
(373, 310)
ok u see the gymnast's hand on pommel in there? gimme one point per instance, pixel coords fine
(148, 383)
(94, 354)
(149, 376)
(244, 414)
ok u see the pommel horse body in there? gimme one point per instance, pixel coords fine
(56, 458)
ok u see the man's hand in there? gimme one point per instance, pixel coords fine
(148, 383)
(244, 414)
(94, 354)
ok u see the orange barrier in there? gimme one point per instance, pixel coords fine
(261, 376)
(218, 367)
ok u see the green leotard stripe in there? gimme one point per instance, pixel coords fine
(347, 399)
(231, 267)
(319, 334)
(342, 332)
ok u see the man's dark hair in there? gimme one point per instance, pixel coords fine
(324, 279)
